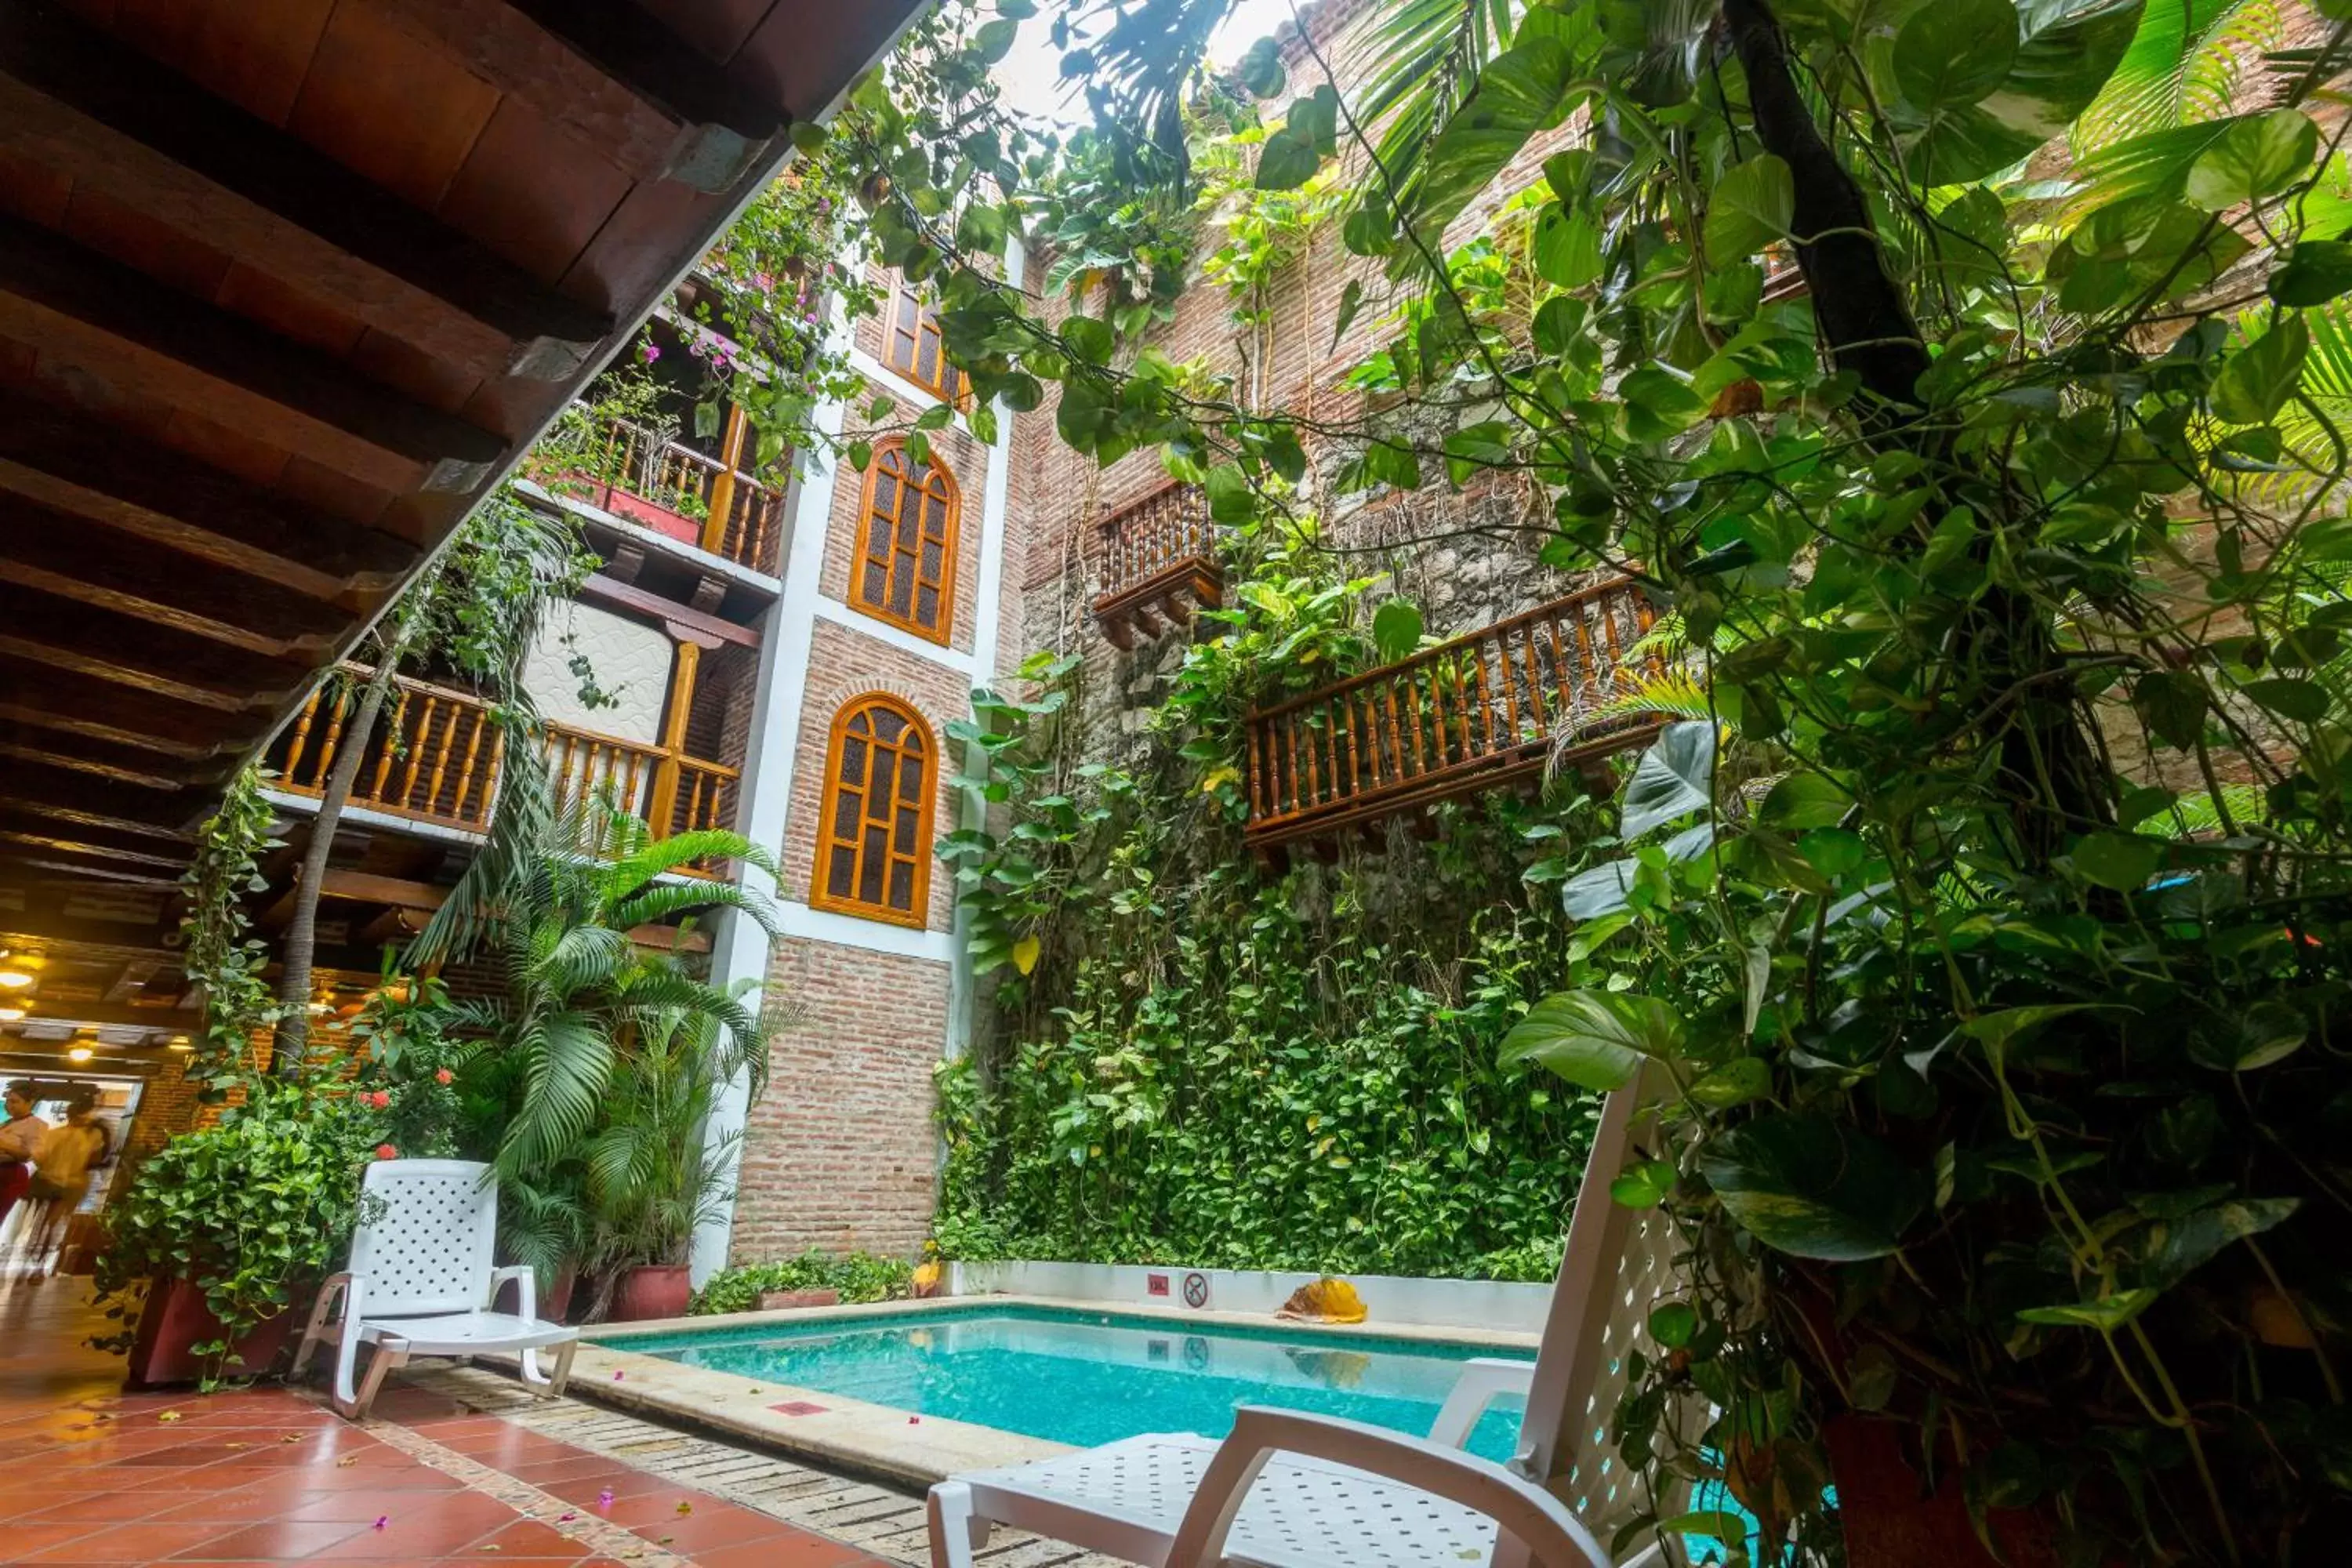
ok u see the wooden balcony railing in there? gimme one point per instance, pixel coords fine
(1494, 707)
(1159, 564)
(435, 757)
(700, 499)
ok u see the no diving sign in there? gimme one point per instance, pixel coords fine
(1196, 1289)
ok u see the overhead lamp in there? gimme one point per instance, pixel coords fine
(178, 1043)
(15, 977)
(11, 1013)
(79, 1054)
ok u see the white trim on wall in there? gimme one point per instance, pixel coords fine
(863, 935)
(829, 608)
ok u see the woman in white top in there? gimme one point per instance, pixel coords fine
(20, 1144)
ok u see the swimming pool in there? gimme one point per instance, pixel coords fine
(1084, 1377)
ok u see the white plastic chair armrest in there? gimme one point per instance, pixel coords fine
(1554, 1537)
(347, 1350)
(1484, 1380)
(526, 1282)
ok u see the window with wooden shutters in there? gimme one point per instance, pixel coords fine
(910, 343)
(874, 851)
(905, 571)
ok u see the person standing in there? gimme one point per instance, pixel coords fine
(20, 1142)
(61, 1168)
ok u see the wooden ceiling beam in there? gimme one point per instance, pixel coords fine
(54, 554)
(71, 466)
(116, 1016)
(68, 796)
(110, 844)
(62, 864)
(96, 758)
(121, 327)
(119, 123)
(609, 73)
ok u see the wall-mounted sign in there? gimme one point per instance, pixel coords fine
(1196, 1289)
(1155, 1284)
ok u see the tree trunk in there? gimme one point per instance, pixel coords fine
(2048, 770)
(297, 949)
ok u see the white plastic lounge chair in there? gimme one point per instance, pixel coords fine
(1291, 1489)
(423, 1280)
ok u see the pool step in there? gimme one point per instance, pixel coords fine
(890, 1524)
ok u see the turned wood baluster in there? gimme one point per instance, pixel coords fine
(1535, 683)
(301, 738)
(1587, 673)
(1292, 782)
(390, 733)
(417, 743)
(1485, 701)
(1608, 612)
(1511, 736)
(333, 737)
(1562, 672)
(1355, 784)
(458, 807)
(1420, 721)
(1251, 742)
(490, 776)
(441, 756)
(1396, 727)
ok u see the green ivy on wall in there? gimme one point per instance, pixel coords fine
(1196, 1063)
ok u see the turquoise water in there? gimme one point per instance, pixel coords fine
(1085, 1378)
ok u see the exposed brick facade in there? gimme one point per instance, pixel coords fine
(840, 1151)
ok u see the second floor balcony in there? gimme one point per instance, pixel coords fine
(1550, 688)
(1159, 566)
(653, 479)
(436, 757)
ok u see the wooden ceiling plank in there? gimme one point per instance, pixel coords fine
(114, 322)
(71, 466)
(76, 867)
(68, 796)
(74, 99)
(66, 680)
(612, 75)
(56, 555)
(67, 755)
(146, 847)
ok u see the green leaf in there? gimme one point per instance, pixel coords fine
(1090, 339)
(1955, 52)
(2290, 698)
(1351, 299)
(1288, 161)
(1527, 88)
(1594, 1039)
(2118, 860)
(808, 135)
(993, 41)
(1674, 1323)
(2258, 156)
(2171, 702)
(2318, 271)
(1261, 68)
(1675, 775)
(1752, 205)
(860, 454)
(2264, 1032)
(2106, 1314)
(936, 416)
(1396, 628)
(2256, 381)
(1315, 117)
(1800, 801)
(1566, 250)
(1229, 497)
(1813, 1187)
(1643, 1184)
(1733, 1083)
(2066, 49)
(1996, 1029)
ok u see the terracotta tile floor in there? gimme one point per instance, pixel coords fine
(95, 1476)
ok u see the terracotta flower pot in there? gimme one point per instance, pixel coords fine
(176, 1318)
(651, 1290)
(555, 1305)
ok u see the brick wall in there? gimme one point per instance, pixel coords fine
(840, 1154)
(966, 463)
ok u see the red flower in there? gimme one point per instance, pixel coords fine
(443, 1075)
(380, 1099)
(386, 1152)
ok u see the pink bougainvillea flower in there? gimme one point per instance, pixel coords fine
(617, 1377)
(386, 1152)
(652, 352)
(565, 1517)
(605, 1498)
(443, 1075)
(382, 1520)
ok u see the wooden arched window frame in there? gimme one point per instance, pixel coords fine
(873, 842)
(910, 343)
(906, 565)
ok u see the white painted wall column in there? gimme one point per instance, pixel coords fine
(739, 947)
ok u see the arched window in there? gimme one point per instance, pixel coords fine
(874, 849)
(905, 571)
(910, 342)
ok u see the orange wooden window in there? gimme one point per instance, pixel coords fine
(905, 571)
(874, 852)
(910, 343)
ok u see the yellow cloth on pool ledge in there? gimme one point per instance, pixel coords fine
(1326, 1301)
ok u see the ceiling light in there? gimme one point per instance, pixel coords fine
(15, 978)
(11, 1013)
(79, 1054)
(179, 1043)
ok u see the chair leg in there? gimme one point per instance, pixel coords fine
(956, 1532)
(552, 1386)
(388, 1354)
(313, 1332)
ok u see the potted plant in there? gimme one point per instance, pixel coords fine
(651, 1177)
(222, 1233)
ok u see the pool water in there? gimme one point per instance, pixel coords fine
(1085, 1378)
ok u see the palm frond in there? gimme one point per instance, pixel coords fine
(665, 856)
(2187, 63)
(659, 903)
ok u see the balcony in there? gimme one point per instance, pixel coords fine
(436, 758)
(1494, 708)
(684, 494)
(1159, 564)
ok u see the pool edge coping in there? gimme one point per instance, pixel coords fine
(866, 1441)
(1494, 1339)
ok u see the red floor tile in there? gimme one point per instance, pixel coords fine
(276, 1539)
(143, 1542)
